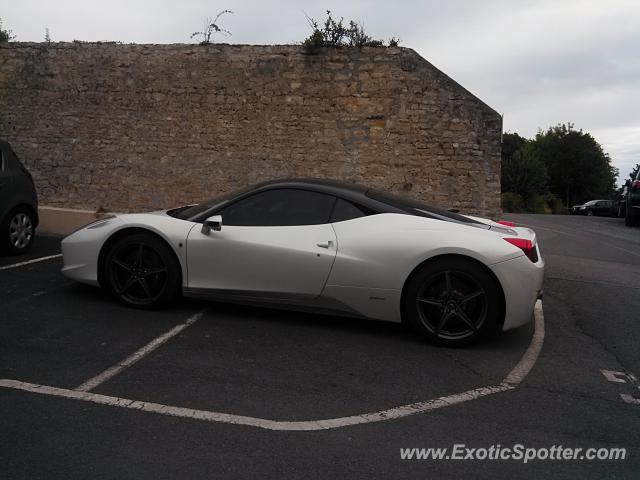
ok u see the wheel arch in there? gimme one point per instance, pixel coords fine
(25, 205)
(466, 258)
(117, 235)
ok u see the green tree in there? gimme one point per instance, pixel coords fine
(634, 172)
(522, 172)
(511, 143)
(578, 168)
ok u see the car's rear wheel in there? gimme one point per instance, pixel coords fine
(590, 213)
(18, 231)
(453, 302)
(141, 271)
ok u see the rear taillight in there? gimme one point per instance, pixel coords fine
(506, 223)
(635, 184)
(525, 245)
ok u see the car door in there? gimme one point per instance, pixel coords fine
(6, 182)
(597, 208)
(273, 244)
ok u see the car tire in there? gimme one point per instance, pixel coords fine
(453, 302)
(18, 231)
(142, 271)
(590, 213)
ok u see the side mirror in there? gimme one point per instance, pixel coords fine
(212, 223)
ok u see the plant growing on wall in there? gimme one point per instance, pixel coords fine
(5, 35)
(211, 27)
(334, 33)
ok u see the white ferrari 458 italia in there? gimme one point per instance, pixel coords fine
(324, 246)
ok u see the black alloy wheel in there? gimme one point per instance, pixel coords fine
(141, 271)
(453, 303)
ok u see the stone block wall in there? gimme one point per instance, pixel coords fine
(136, 127)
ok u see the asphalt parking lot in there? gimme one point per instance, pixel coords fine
(278, 369)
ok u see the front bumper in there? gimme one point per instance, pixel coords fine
(81, 249)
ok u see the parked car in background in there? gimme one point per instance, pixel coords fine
(593, 207)
(632, 208)
(18, 203)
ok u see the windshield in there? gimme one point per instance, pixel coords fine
(190, 211)
(416, 207)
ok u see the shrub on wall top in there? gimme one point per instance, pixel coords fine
(336, 34)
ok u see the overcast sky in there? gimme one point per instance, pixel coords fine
(537, 62)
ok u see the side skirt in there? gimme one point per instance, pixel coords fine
(295, 302)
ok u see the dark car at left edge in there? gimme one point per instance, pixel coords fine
(18, 203)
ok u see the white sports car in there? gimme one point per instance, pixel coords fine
(326, 246)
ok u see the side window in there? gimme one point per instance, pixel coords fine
(282, 207)
(346, 211)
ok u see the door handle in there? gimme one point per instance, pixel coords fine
(328, 244)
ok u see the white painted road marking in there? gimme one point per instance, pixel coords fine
(138, 355)
(27, 262)
(613, 376)
(183, 412)
(528, 360)
(511, 381)
(622, 377)
(629, 399)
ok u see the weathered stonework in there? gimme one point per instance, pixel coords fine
(133, 127)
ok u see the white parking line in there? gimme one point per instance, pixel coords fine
(138, 355)
(183, 412)
(510, 382)
(27, 262)
(528, 360)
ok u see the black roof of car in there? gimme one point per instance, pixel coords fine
(316, 184)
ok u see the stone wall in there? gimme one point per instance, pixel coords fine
(134, 127)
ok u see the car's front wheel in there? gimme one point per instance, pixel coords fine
(18, 231)
(453, 302)
(141, 271)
